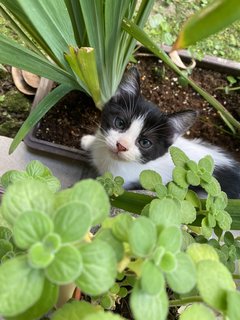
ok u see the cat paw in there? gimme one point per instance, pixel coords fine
(87, 141)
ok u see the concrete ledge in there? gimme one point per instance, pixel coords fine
(68, 171)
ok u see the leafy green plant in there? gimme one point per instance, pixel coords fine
(78, 44)
(128, 255)
(230, 87)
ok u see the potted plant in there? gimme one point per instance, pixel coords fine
(47, 244)
(76, 16)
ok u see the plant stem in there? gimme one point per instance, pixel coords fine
(236, 276)
(181, 302)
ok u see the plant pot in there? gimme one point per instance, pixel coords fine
(210, 63)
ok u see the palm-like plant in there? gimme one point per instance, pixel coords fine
(79, 44)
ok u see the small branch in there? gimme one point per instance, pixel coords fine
(236, 276)
(181, 302)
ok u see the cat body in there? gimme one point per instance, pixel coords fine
(135, 135)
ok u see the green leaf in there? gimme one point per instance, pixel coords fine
(30, 227)
(179, 158)
(108, 236)
(201, 251)
(72, 221)
(233, 301)
(121, 226)
(161, 191)
(224, 220)
(206, 163)
(228, 238)
(164, 212)
(209, 20)
(76, 310)
(213, 281)
(206, 229)
(93, 194)
(213, 187)
(183, 278)
(39, 111)
(5, 247)
(18, 279)
(66, 266)
(192, 178)
(197, 311)
(193, 198)
(171, 239)
(152, 280)
(99, 268)
(192, 166)
(5, 233)
(39, 256)
(103, 316)
(25, 196)
(148, 307)
(149, 179)
(142, 237)
(36, 169)
(168, 262)
(176, 191)
(188, 212)
(12, 176)
(45, 303)
(180, 177)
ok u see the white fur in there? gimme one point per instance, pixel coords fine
(126, 163)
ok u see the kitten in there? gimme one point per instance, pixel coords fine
(135, 135)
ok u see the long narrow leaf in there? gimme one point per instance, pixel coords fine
(211, 19)
(16, 55)
(47, 22)
(142, 37)
(41, 109)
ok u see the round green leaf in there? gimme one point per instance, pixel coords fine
(152, 280)
(25, 196)
(202, 251)
(197, 311)
(214, 280)
(12, 176)
(180, 177)
(176, 191)
(44, 304)
(168, 262)
(179, 158)
(52, 242)
(121, 226)
(147, 306)
(171, 239)
(193, 178)
(20, 281)
(31, 227)
(213, 187)
(164, 212)
(161, 191)
(72, 221)
(36, 169)
(149, 179)
(188, 212)
(66, 266)
(39, 256)
(183, 278)
(117, 246)
(76, 310)
(193, 198)
(142, 236)
(207, 163)
(233, 302)
(206, 229)
(224, 220)
(92, 194)
(99, 268)
(103, 316)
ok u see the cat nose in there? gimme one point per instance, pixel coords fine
(120, 147)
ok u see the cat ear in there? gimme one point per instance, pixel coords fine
(129, 85)
(180, 122)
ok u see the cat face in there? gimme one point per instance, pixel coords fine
(133, 129)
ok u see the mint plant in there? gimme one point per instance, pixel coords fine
(49, 244)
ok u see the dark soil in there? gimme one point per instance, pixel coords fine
(76, 115)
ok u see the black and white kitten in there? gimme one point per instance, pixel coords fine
(135, 135)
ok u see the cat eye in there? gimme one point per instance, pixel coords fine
(145, 143)
(119, 123)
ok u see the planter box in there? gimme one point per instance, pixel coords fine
(213, 63)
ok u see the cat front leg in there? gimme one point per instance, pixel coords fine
(87, 141)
